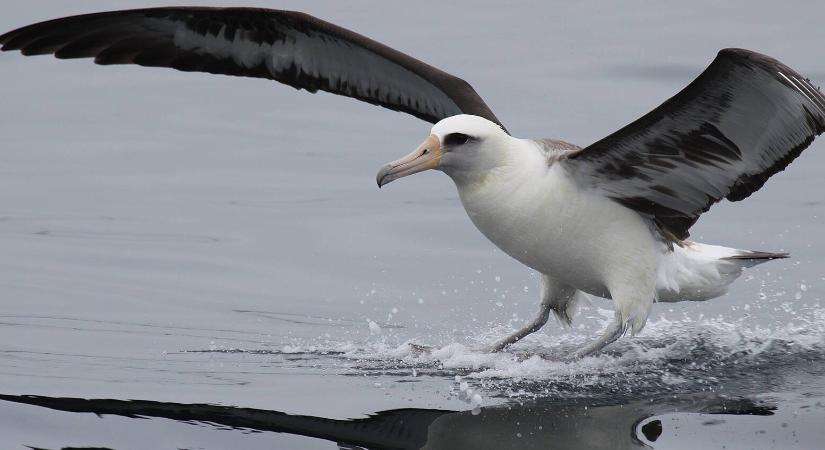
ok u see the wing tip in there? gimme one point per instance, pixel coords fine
(783, 74)
(768, 63)
(743, 55)
(7, 41)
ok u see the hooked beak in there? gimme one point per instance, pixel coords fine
(426, 156)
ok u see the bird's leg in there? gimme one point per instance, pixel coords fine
(632, 302)
(613, 332)
(532, 327)
(555, 296)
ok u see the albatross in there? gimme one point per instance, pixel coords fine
(610, 219)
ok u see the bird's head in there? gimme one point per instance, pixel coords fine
(459, 146)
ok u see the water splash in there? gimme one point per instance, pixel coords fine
(671, 356)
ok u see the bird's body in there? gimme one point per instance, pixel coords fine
(536, 213)
(535, 210)
(610, 219)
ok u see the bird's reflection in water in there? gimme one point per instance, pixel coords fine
(536, 424)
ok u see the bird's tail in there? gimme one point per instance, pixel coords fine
(698, 271)
(750, 258)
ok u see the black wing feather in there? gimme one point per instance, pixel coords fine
(745, 118)
(291, 47)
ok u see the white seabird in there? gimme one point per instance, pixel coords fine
(610, 219)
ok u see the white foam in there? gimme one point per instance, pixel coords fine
(670, 354)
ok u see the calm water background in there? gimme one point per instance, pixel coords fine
(194, 239)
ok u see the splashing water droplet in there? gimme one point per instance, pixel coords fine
(374, 328)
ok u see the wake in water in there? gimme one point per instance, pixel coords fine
(711, 354)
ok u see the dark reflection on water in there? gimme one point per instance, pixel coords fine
(537, 424)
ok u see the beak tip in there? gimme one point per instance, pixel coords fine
(382, 178)
(426, 156)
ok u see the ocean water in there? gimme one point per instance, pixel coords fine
(194, 261)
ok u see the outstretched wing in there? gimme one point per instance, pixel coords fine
(291, 47)
(745, 118)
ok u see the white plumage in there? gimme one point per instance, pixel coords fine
(524, 200)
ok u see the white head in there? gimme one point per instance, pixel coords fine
(461, 146)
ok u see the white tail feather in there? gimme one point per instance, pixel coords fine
(697, 272)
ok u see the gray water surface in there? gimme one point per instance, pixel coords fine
(194, 261)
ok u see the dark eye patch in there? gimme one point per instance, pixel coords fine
(456, 139)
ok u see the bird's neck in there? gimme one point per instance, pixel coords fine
(516, 161)
(515, 204)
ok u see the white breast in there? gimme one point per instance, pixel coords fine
(536, 213)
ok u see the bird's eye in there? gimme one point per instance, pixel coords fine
(456, 139)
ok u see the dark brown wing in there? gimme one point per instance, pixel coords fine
(291, 47)
(745, 118)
